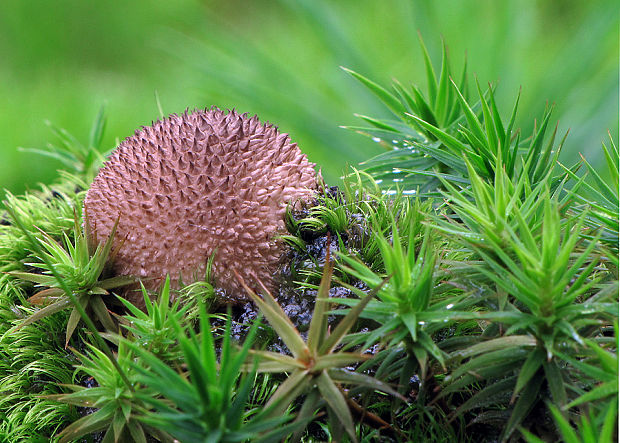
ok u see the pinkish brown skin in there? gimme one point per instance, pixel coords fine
(191, 185)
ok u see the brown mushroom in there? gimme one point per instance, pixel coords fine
(195, 184)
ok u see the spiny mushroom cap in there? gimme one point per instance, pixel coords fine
(191, 185)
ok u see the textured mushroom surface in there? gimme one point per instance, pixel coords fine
(194, 184)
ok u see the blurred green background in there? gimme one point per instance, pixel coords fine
(61, 60)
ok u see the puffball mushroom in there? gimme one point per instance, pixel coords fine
(192, 185)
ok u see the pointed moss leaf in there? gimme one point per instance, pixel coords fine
(497, 344)
(497, 120)
(234, 414)
(492, 362)
(474, 124)
(422, 357)
(600, 392)
(53, 152)
(386, 97)
(523, 406)
(537, 141)
(101, 311)
(34, 278)
(98, 128)
(411, 322)
(358, 379)
(202, 356)
(46, 296)
(339, 359)
(431, 173)
(567, 431)
(94, 422)
(266, 430)
(511, 159)
(44, 312)
(424, 110)
(529, 437)
(316, 334)
(611, 158)
(272, 362)
(336, 401)
(608, 360)
(126, 409)
(486, 396)
(555, 381)
(306, 413)
(610, 194)
(80, 397)
(405, 97)
(118, 423)
(288, 391)
(431, 347)
(160, 377)
(136, 312)
(136, 432)
(279, 321)
(543, 164)
(531, 365)
(431, 79)
(453, 144)
(493, 143)
(359, 270)
(378, 123)
(116, 282)
(609, 422)
(348, 321)
(443, 92)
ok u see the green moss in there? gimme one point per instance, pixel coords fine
(496, 279)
